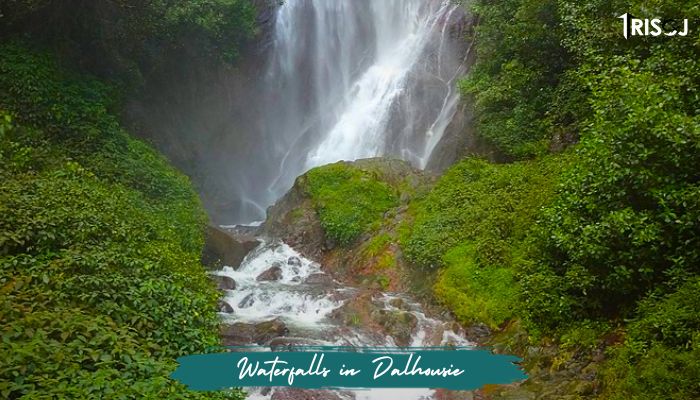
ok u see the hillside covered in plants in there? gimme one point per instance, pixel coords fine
(100, 237)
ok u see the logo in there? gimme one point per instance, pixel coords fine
(653, 27)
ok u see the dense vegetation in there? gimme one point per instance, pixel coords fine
(613, 247)
(100, 241)
(473, 225)
(130, 41)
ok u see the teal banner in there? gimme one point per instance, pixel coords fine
(349, 368)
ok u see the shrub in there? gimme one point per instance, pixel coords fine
(626, 219)
(131, 41)
(522, 93)
(660, 355)
(100, 239)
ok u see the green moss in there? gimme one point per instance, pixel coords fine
(100, 239)
(473, 293)
(475, 226)
(349, 201)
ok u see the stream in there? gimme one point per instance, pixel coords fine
(309, 304)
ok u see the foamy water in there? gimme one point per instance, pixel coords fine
(306, 308)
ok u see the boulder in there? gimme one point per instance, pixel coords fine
(294, 218)
(247, 301)
(224, 282)
(271, 275)
(224, 307)
(266, 331)
(225, 248)
(397, 324)
(240, 333)
(478, 333)
(237, 334)
(319, 279)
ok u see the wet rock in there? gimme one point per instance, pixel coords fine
(266, 331)
(319, 279)
(247, 301)
(225, 248)
(400, 304)
(240, 333)
(224, 282)
(271, 275)
(356, 311)
(224, 307)
(479, 333)
(294, 261)
(397, 324)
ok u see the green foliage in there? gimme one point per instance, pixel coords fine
(618, 247)
(129, 39)
(660, 356)
(480, 203)
(621, 239)
(522, 94)
(349, 201)
(100, 282)
(475, 223)
(626, 219)
(223, 25)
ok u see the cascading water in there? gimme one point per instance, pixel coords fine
(310, 304)
(350, 79)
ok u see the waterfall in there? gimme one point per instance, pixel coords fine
(351, 79)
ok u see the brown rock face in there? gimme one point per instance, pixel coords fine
(271, 275)
(319, 279)
(397, 324)
(240, 333)
(225, 248)
(224, 282)
(294, 220)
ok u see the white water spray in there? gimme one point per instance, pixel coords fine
(352, 79)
